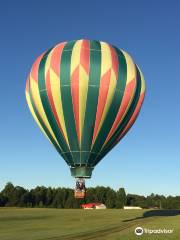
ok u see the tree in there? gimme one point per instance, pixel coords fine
(70, 199)
(91, 195)
(101, 194)
(3, 200)
(57, 203)
(16, 196)
(49, 197)
(110, 198)
(120, 198)
(39, 196)
(8, 193)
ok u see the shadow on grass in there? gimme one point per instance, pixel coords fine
(156, 213)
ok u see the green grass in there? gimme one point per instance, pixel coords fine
(57, 224)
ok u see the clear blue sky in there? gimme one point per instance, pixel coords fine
(148, 158)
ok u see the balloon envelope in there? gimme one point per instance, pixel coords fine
(84, 95)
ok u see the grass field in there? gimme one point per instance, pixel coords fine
(57, 224)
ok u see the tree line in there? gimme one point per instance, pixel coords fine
(16, 196)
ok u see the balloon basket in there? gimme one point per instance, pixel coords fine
(79, 194)
(80, 189)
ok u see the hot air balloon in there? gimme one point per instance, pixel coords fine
(85, 95)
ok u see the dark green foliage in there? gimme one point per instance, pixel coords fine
(110, 198)
(121, 198)
(136, 200)
(16, 196)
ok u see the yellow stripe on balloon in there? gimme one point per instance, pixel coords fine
(106, 61)
(75, 57)
(83, 89)
(131, 68)
(48, 61)
(34, 115)
(56, 94)
(143, 86)
(37, 100)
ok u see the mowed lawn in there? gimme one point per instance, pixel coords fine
(58, 224)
